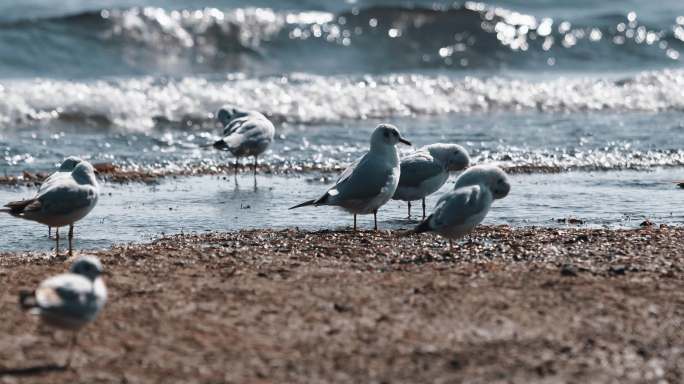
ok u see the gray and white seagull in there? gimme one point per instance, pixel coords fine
(64, 170)
(458, 212)
(245, 133)
(369, 182)
(63, 202)
(69, 301)
(425, 171)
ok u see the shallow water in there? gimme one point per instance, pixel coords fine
(137, 212)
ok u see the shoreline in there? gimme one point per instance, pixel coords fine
(118, 174)
(517, 304)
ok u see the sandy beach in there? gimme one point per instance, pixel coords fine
(524, 305)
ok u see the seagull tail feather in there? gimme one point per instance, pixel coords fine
(27, 300)
(221, 144)
(304, 204)
(423, 226)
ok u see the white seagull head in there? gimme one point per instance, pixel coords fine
(489, 176)
(227, 113)
(69, 164)
(387, 135)
(453, 156)
(84, 173)
(87, 266)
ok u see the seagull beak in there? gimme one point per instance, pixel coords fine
(402, 140)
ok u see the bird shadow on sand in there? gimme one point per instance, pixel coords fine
(34, 370)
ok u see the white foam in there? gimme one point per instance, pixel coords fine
(135, 104)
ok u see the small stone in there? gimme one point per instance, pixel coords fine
(617, 269)
(568, 270)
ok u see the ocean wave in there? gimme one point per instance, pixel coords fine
(145, 103)
(380, 38)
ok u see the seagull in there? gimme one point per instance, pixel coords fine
(458, 212)
(64, 171)
(369, 182)
(245, 133)
(65, 201)
(425, 171)
(70, 300)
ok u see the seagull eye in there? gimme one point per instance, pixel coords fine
(395, 133)
(386, 133)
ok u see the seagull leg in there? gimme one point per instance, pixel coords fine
(375, 219)
(409, 210)
(355, 222)
(71, 237)
(255, 165)
(74, 341)
(49, 232)
(235, 168)
(451, 246)
(423, 208)
(57, 241)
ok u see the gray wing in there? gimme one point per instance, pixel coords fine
(458, 206)
(64, 199)
(363, 179)
(249, 131)
(417, 168)
(69, 295)
(65, 290)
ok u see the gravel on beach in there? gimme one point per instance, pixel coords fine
(528, 305)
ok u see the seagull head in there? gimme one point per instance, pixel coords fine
(69, 164)
(227, 113)
(453, 156)
(490, 176)
(87, 266)
(84, 173)
(387, 134)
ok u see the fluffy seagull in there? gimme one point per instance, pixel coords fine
(70, 300)
(369, 182)
(64, 170)
(65, 201)
(425, 171)
(245, 133)
(458, 212)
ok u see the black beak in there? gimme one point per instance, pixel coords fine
(402, 140)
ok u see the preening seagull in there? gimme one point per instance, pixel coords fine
(425, 171)
(70, 300)
(65, 201)
(245, 133)
(369, 182)
(64, 170)
(458, 212)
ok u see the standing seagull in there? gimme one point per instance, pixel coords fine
(369, 182)
(245, 133)
(426, 170)
(64, 170)
(458, 212)
(70, 300)
(64, 202)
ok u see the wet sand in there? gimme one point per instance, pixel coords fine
(526, 305)
(114, 173)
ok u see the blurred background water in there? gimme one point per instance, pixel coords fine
(570, 84)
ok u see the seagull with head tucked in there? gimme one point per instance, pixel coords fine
(458, 212)
(425, 171)
(65, 201)
(64, 170)
(245, 133)
(70, 300)
(369, 182)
